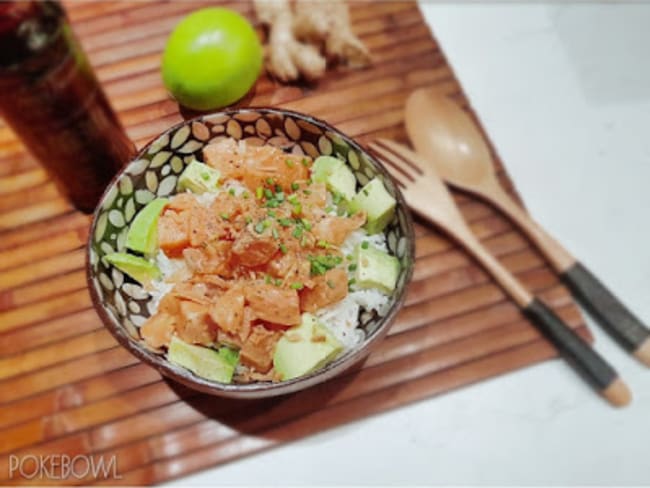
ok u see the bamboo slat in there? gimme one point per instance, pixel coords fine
(67, 387)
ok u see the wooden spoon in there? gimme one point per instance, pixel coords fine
(450, 141)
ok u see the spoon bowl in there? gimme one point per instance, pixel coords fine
(447, 137)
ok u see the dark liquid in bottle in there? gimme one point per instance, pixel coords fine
(50, 97)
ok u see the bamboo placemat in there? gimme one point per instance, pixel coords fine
(66, 387)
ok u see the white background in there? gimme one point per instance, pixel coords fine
(564, 92)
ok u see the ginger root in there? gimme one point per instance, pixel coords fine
(297, 36)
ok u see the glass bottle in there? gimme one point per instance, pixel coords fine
(52, 100)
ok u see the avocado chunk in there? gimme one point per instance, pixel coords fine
(376, 269)
(335, 174)
(378, 204)
(142, 235)
(199, 178)
(136, 267)
(202, 361)
(305, 348)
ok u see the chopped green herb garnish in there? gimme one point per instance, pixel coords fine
(352, 267)
(278, 282)
(365, 192)
(297, 209)
(225, 216)
(307, 192)
(274, 233)
(284, 222)
(297, 232)
(289, 163)
(271, 213)
(268, 193)
(245, 195)
(283, 248)
(205, 176)
(349, 257)
(329, 209)
(330, 283)
(365, 245)
(306, 224)
(279, 196)
(295, 186)
(323, 244)
(232, 191)
(305, 162)
(267, 279)
(293, 199)
(319, 265)
(269, 181)
(272, 203)
(260, 227)
(337, 197)
(259, 191)
(351, 282)
(310, 181)
(248, 219)
(297, 285)
(340, 212)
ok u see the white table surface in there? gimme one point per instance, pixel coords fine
(562, 90)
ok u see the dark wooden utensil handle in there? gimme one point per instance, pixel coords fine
(606, 308)
(577, 352)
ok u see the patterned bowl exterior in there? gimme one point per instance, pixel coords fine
(124, 305)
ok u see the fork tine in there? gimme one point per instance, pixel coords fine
(393, 162)
(401, 180)
(411, 158)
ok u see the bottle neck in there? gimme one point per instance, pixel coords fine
(26, 28)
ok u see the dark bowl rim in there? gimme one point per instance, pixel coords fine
(244, 391)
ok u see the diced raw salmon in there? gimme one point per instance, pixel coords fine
(207, 226)
(224, 156)
(328, 289)
(266, 162)
(253, 249)
(311, 195)
(336, 229)
(158, 329)
(228, 311)
(258, 349)
(193, 292)
(170, 304)
(181, 202)
(194, 327)
(273, 304)
(292, 267)
(201, 262)
(173, 233)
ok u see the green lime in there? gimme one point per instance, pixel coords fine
(212, 58)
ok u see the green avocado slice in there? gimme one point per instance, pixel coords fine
(335, 174)
(199, 178)
(376, 269)
(136, 267)
(204, 362)
(378, 204)
(305, 348)
(142, 235)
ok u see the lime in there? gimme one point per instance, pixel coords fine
(212, 58)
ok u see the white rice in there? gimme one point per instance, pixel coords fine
(341, 319)
(168, 267)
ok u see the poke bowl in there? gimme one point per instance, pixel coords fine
(250, 253)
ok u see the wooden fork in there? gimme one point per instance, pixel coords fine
(428, 196)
